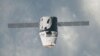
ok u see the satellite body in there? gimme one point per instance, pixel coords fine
(48, 31)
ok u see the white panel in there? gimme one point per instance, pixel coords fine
(47, 41)
(43, 23)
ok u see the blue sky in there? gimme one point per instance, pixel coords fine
(72, 40)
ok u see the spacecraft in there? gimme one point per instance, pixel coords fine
(48, 28)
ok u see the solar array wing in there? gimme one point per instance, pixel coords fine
(26, 25)
(75, 23)
(22, 25)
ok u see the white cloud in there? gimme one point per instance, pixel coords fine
(92, 9)
(72, 41)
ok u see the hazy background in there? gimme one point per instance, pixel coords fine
(72, 40)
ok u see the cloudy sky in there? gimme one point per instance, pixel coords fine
(72, 40)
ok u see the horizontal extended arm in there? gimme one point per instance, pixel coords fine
(76, 23)
(22, 25)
